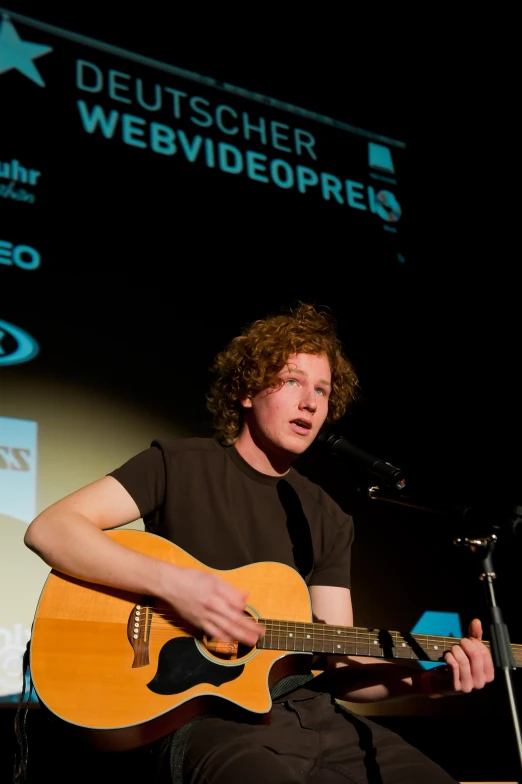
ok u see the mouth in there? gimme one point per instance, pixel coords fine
(301, 426)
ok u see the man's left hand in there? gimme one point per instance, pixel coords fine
(469, 666)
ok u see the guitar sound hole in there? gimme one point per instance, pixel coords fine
(229, 651)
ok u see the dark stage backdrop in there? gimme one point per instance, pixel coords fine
(151, 207)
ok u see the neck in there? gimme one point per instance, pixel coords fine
(263, 459)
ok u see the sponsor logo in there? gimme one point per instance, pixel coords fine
(18, 468)
(23, 256)
(13, 643)
(16, 173)
(16, 346)
(19, 55)
(379, 158)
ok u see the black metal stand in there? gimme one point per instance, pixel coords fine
(500, 643)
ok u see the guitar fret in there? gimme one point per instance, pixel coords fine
(310, 637)
(401, 648)
(338, 644)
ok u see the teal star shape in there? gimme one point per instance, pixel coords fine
(15, 53)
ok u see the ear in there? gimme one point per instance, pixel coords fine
(246, 402)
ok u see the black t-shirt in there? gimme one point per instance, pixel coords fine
(208, 500)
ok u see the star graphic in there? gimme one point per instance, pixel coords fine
(15, 53)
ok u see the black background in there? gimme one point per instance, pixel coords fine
(435, 341)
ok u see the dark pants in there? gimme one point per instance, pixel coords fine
(310, 739)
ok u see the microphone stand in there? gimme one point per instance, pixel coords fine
(483, 549)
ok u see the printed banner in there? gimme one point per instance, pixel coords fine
(115, 162)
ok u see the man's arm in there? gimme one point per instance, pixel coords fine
(69, 537)
(358, 679)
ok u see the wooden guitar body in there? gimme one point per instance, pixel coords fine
(87, 672)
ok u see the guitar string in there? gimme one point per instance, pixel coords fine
(350, 632)
(347, 632)
(368, 639)
(306, 634)
(431, 649)
(359, 640)
(298, 643)
(322, 645)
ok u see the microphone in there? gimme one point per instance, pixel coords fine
(339, 447)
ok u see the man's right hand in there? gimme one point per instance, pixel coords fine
(211, 604)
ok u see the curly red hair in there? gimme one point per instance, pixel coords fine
(251, 362)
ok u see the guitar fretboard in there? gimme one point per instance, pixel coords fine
(354, 641)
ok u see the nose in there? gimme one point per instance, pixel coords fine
(308, 400)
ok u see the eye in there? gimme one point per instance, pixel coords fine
(321, 391)
(291, 381)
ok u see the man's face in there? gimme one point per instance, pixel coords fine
(287, 418)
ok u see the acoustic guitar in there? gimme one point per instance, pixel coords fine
(125, 669)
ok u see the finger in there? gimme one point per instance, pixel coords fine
(475, 629)
(229, 614)
(248, 635)
(473, 649)
(236, 626)
(232, 595)
(489, 666)
(452, 663)
(475, 632)
(464, 665)
(226, 632)
(214, 631)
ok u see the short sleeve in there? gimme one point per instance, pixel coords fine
(333, 567)
(143, 477)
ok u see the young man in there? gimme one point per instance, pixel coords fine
(234, 500)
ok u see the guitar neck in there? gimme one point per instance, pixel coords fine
(352, 641)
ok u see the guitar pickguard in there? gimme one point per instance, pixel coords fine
(181, 666)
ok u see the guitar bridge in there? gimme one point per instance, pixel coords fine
(138, 633)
